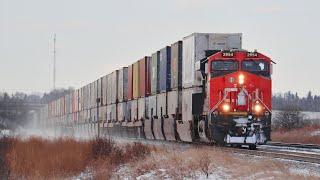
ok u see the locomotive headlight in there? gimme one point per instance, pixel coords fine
(241, 79)
(226, 107)
(257, 108)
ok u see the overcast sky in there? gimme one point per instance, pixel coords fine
(96, 37)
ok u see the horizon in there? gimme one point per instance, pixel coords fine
(93, 39)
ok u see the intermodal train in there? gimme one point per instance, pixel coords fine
(203, 88)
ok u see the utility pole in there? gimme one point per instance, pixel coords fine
(54, 62)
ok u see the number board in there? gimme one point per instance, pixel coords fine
(252, 54)
(227, 54)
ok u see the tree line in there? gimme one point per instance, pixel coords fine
(18, 116)
(281, 101)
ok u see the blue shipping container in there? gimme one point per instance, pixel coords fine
(165, 69)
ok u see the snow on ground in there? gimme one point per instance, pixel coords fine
(315, 133)
(243, 167)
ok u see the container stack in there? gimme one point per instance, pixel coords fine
(194, 50)
(157, 90)
(122, 94)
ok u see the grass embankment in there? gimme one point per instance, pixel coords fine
(306, 135)
(37, 158)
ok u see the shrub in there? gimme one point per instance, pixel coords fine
(290, 118)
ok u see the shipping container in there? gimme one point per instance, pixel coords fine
(95, 94)
(190, 102)
(130, 82)
(122, 108)
(114, 86)
(123, 84)
(109, 89)
(109, 116)
(176, 65)
(99, 92)
(155, 61)
(162, 104)
(144, 76)
(152, 108)
(114, 112)
(194, 47)
(136, 81)
(165, 69)
(174, 102)
(141, 108)
(128, 112)
(104, 90)
(134, 110)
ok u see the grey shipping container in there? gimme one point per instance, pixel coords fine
(134, 110)
(108, 114)
(165, 69)
(109, 89)
(152, 106)
(162, 104)
(128, 112)
(155, 72)
(114, 112)
(123, 84)
(194, 47)
(176, 65)
(141, 108)
(114, 86)
(99, 91)
(122, 108)
(104, 90)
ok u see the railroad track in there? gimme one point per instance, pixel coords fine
(294, 145)
(295, 156)
(282, 151)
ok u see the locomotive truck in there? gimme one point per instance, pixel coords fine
(204, 88)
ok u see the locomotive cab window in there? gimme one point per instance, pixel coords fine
(222, 67)
(259, 67)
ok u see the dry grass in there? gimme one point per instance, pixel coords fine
(37, 158)
(300, 135)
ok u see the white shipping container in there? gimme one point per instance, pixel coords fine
(162, 104)
(174, 102)
(187, 102)
(194, 47)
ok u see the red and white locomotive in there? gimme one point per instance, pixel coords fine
(238, 92)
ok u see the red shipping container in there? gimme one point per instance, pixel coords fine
(130, 81)
(144, 75)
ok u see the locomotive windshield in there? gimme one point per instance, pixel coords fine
(258, 67)
(222, 67)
